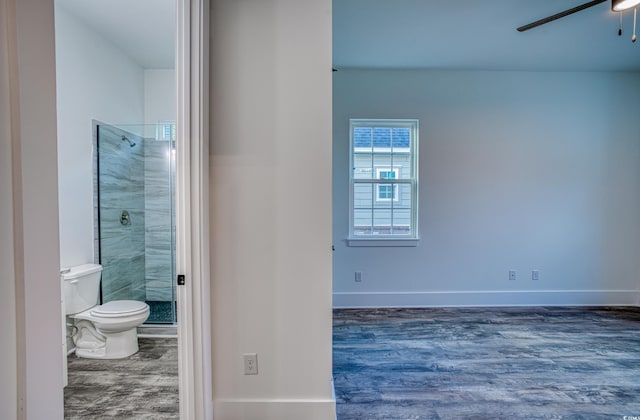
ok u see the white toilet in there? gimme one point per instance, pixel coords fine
(107, 331)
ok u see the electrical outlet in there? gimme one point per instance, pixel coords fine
(512, 274)
(358, 276)
(535, 275)
(250, 363)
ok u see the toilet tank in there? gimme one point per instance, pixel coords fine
(81, 287)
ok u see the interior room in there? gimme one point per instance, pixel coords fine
(528, 163)
(116, 113)
(527, 193)
(244, 291)
(115, 67)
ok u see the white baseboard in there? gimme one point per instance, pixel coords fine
(333, 398)
(487, 298)
(247, 409)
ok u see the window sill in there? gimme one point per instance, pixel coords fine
(390, 242)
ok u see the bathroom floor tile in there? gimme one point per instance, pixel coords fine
(142, 386)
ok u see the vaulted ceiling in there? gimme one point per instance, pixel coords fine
(480, 35)
(429, 34)
(145, 30)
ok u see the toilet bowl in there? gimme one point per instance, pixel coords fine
(107, 331)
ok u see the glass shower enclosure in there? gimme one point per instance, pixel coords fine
(134, 183)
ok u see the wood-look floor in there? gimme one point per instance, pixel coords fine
(142, 386)
(487, 363)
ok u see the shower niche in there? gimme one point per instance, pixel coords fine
(134, 217)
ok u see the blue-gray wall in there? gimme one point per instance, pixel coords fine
(518, 171)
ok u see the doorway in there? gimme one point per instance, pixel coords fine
(115, 63)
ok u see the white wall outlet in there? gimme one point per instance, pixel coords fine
(250, 363)
(512, 274)
(358, 276)
(535, 275)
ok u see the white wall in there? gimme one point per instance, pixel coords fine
(271, 208)
(95, 80)
(159, 95)
(30, 253)
(518, 171)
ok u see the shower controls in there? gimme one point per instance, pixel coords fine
(124, 218)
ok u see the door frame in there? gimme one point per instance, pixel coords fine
(192, 210)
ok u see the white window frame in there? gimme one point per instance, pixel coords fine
(161, 127)
(385, 240)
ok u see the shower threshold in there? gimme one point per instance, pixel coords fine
(158, 330)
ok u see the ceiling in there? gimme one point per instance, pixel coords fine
(145, 30)
(480, 35)
(411, 34)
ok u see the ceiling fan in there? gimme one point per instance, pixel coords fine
(616, 6)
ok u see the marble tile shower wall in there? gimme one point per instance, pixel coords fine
(122, 246)
(158, 221)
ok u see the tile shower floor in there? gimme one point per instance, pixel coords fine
(142, 386)
(160, 312)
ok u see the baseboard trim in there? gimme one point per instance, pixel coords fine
(333, 398)
(487, 298)
(248, 409)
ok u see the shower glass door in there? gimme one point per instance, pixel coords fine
(134, 201)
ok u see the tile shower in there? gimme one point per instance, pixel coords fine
(134, 215)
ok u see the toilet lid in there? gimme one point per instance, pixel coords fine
(120, 308)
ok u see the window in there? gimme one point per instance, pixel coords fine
(166, 130)
(382, 211)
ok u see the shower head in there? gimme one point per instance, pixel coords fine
(125, 138)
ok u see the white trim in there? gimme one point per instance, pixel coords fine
(486, 298)
(276, 409)
(383, 242)
(160, 126)
(384, 122)
(192, 201)
(413, 125)
(382, 150)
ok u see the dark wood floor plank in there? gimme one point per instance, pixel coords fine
(486, 363)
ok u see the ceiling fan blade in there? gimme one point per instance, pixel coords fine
(559, 15)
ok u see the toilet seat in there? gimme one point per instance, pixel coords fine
(119, 308)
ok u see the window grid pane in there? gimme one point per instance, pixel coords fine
(375, 217)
